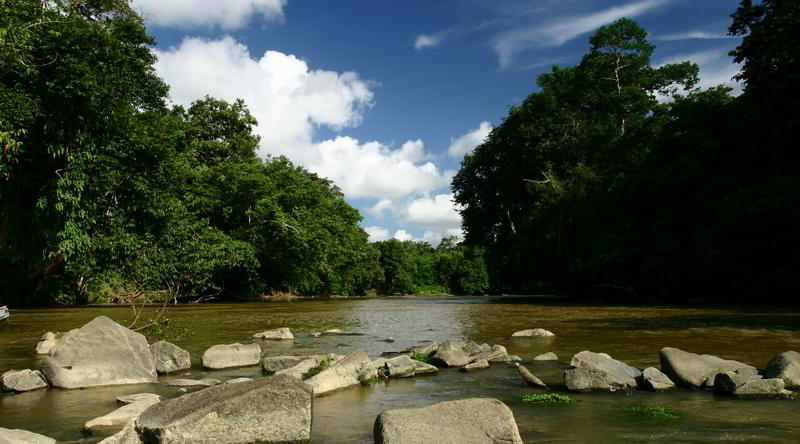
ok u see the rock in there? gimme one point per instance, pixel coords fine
(379, 362)
(471, 348)
(207, 382)
(22, 380)
(423, 368)
(336, 331)
(351, 370)
(477, 365)
(549, 356)
(231, 355)
(115, 421)
(694, 371)
(486, 347)
(302, 369)
(599, 371)
(497, 353)
(169, 357)
(785, 366)
(529, 378)
(423, 349)
(401, 367)
(388, 340)
(466, 421)
(653, 379)
(744, 385)
(278, 333)
(449, 354)
(276, 409)
(127, 435)
(272, 364)
(16, 436)
(130, 399)
(49, 340)
(237, 380)
(316, 334)
(101, 352)
(533, 333)
(514, 358)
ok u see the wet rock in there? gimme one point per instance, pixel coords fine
(401, 367)
(115, 421)
(207, 382)
(49, 340)
(22, 380)
(695, 371)
(16, 436)
(339, 332)
(450, 354)
(273, 364)
(785, 366)
(653, 379)
(529, 378)
(276, 409)
(466, 421)
(477, 365)
(127, 435)
(303, 368)
(101, 352)
(130, 399)
(232, 355)
(169, 357)
(533, 333)
(423, 349)
(351, 370)
(276, 334)
(749, 386)
(549, 356)
(599, 371)
(423, 368)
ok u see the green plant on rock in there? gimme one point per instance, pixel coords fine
(321, 366)
(421, 357)
(367, 381)
(547, 399)
(647, 412)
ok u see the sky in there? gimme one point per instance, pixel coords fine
(386, 97)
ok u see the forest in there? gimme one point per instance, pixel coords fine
(616, 179)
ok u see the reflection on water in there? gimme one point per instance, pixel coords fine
(632, 334)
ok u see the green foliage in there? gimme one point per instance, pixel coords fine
(547, 399)
(421, 357)
(646, 412)
(368, 382)
(321, 366)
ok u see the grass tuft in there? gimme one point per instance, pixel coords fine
(421, 357)
(648, 412)
(323, 364)
(547, 399)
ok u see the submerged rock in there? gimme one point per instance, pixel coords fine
(466, 421)
(695, 371)
(653, 379)
(549, 356)
(533, 333)
(116, 420)
(785, 366)
(276, 334)
(231, 355)
(207, 382)
(352, 370)
(22, 380)
(16, 436)
(169, 357)
(101, 352)
(599, 371)
(130, 399)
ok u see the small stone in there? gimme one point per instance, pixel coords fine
(272, 364)
(401, 367)
(275, 334)
(388, 340)
(116, 420)
(169, 357)
(533, 333)
(549, 356)
(514, 358)
(423, 368)
(477, 365)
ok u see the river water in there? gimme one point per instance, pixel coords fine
(631, 334)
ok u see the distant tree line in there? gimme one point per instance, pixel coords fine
(595, 187)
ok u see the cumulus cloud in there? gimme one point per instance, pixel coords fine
(377, 234)
(403, 235)
(464, 144)
(437, 212)
(380, 208)
(227, 14)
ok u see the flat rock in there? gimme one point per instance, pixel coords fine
(599, 371)
(183, 382)
(450, 354)
(351, 370)
(426, 349)
(275, 409)
(273, 364)
(238, 380)
(115, 421)
(423, 368)
(477, 365)
(276, 334)
(101, 352)
(303, 368)
(16, 436)
(22, 380)
(127, 435)
(169, 357)
(549, 356)
(533, 333)
(339, 332)
(653, 379)
(130, 399)
(401, 367)
(691, 370)
(466, 421)
(232, 355)
(785, 366)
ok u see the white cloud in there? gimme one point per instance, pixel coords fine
(430, 40)
(716, 68)
(226, 14)
(690, 35)
(403, 235)
(466, 143)
(380, 208)
(437, 212)
(377, 234)
(559, 31)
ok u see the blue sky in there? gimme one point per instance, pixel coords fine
(385, 97)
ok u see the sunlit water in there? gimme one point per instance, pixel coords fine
(631, 334)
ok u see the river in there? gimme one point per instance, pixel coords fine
(631, 334)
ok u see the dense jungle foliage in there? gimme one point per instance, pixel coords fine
(594, 187)
(107, 192)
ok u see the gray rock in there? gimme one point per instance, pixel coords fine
(514, 358)
(477, 365)
(388, 339)
(49, 340)
(277, 334)
(450, 354)
(273, 364)
(549, 356)
(599, 371)
(423, 368)
(529, 378)
(653, 379)
(351, 370)
(695, 371)
(303, 368)
(115, 421)
(423, 349)
(466, 421)
(276, 409)
(533, 333)
(785, 366)
(127, 435)
(22, 380)
(497, 353)
(471, 348)
(339, 332)
(237, 380)
(169, 357)
(130, 399)
(749, 386)
(101, 352)
(206, 382)
(486, 347)
(16, 436)
(232, 355)
(401, 367)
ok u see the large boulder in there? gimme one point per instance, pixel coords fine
(115, 421)
(599, 371)
(466, 421)
(169, 357)
(749, 386)
(691, 370)
(273, 364)
(101, 352)
(276, 334)
(653, 379)
(785, 366)
(22, 380)
(533, 333)
(276, 409)
(231, 355)
(16, 436)
(450, 354)
(353, 369)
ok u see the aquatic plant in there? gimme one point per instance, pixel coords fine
(650, 412)
(421, 357)
(547, 399)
